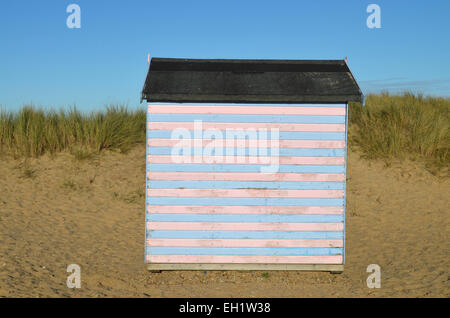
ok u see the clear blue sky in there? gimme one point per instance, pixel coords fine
(44, 62)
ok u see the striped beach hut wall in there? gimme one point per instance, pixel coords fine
(246, 164)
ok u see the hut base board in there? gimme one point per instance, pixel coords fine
(334, 268)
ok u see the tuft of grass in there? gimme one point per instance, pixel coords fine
(31, 132)
(82, 154)
(28, 173)
(402, 126)
(134, 196)
(69, 184)
(265, 275)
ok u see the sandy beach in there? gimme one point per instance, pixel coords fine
(56, 211)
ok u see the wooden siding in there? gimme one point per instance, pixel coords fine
(210, 210)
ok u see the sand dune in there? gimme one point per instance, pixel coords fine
(58, 211)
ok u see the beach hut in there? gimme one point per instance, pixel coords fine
(246, 164)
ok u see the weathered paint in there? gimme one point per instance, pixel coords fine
(245, 193)
(232, 118)
(219, 212)
(243, 176)
(246, 143)
(234, 234)
(218, 184)
(283, 218)
(278, 210)
(290, 127)
(242, 168)
(244, 243)
(246, 226)
(284, 135)
(247, 110)
(251, 159)
(240, 259)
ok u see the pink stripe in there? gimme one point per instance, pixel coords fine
(204, 209)
(227, 259)
(244, 243)
(161, 142)
(246, 176)
(245, 193)
(235, 226)
(223, 126)
(248, 110)
(249, 160)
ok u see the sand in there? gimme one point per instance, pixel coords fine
(59, 211)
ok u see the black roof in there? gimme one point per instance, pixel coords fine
(250, 81)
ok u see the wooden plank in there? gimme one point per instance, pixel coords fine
(232, 118)
(223, 126)
(219, 201)
(261, 110)
(283, 160)
(185, 242)
(283, 135)
(244, 143)
(245, 193)
(199, 209)
(235, 226)
(335, 268)
(245, 218)
(245, 176)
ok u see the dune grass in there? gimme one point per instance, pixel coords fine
(389, 126)
(32, 132)
(402, 126)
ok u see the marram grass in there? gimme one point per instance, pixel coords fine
(402, 126)
(32, 132)
(388, 126)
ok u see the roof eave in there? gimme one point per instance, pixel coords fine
(256, 99)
